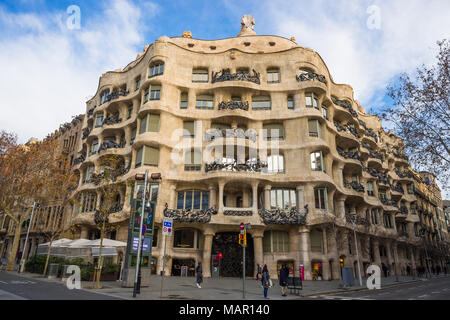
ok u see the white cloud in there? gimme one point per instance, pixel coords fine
(48, 71)
(363, 58)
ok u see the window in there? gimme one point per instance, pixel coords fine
(189, 129)
(183, 100)
(321, 198)
(316, 239)
(88, 174)
(204, 102)
(99, 120)
(104, 97)
(273, 131)
(153, 92)
(290, 102)
(200, 75)
(410, 188)
(147, 156)
(413, 208)
(130, 111)
(387, 220)
(311, 101)
(94, 147)
(156, 69)
(370, 190)
(150, 123)
(261, 103)
(283, 199)
(137, 83)
(317, 163)
(185, 238)
(275, 164)
(273, 75)
(325, 112)
(276, 241)
(88, 202)
(193, 160)
(382, 194)
(315, 129)
(133, 135)
(192, 200)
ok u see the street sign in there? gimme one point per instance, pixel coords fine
(167, 226)
(144, 228)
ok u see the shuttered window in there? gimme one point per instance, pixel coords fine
(316, 241)
(189, 127)
(147, 156)
(276, 241)
(261, 103)
(183, 100)
(315, 130)
(273, 131)
(200, 75)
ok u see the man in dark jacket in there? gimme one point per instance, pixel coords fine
(199, 271)
(284, 274)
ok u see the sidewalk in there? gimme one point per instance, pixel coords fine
(223, 288)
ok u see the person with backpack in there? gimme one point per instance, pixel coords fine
(265, 280)
(199, 272)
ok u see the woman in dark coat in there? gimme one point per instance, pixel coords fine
(284, 274)
(199, 271)
(265, 277)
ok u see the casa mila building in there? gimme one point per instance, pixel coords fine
(253, 129)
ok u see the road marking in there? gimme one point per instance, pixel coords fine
(436, 292)
(423, 296)
(4, 295)
(4, 282)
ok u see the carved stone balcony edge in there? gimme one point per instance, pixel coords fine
(200, 216)
(280, 216)
(225, 75)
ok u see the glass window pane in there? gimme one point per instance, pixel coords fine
(180, 200)
(205, 200)
(273, 199)
(293, 199)
(308, 101)
(286, 203)
(280, 198)
(188, 203)
(197, 199)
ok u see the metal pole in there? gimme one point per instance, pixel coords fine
(163, 267)
(138, 260)
(22, 265)
(243, 273)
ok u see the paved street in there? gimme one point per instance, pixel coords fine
(434, 289)
(15, 287)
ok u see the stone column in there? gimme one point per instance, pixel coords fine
(305, 247)
(413, 260)
(300, 197)
(376, 249)
(212, 196)
(341, 175)
(334, 254)
(389, 257)
(340, 210)
(255, 197)
(220, 200)
(206, 259)
(172, 199)
(257, 235)
(325, 264)
(267, 189)
(396, 260)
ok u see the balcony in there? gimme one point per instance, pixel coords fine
(357, 219)
(399, 155)
(225, 75)
(200, 216)
(113, 119)
(233, 105)
(346, 127)
(80, 159)
(354, 185)
(403, 210)
(388, 202)
(233, 165)
(230, 133)
(310, 76)
(110, 144)
(397, 188)
(86, 133)
(375, 173)
(346, 105)
(349, 155)
(369, 132)
(404, 174)
(281, 216)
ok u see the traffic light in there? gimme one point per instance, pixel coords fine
(243, 238)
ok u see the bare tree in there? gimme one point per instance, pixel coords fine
(421, 115)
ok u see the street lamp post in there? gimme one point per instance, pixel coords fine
(356, 247)
(138, 260)
(22, 265)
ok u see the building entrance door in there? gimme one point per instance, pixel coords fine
(231, 262)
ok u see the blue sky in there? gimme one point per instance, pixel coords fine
(49, 71)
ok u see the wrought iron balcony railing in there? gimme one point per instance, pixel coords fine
(369, 132)
(113, 119)
(86, 133)
(398, 188)
(308, 76)
(349, 155)
(110, 144)
(249, 165)
(80, 159)
(239, 213)
(230, 133)
(404, 174)
(281, 216)
(354, 185)
(233, 105)
(357, 219)
(347, 128)
(346, 105)
(200, 216)
(225, 75)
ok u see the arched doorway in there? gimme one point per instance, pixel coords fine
(230, 264)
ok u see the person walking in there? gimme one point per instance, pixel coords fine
(284, 274)
(265, 277)
(199, 271)
(258, 271)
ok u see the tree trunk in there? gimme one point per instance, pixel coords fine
(12, 256)
(48, 257)
(100, 262)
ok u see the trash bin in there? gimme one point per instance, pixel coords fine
(53, 270)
